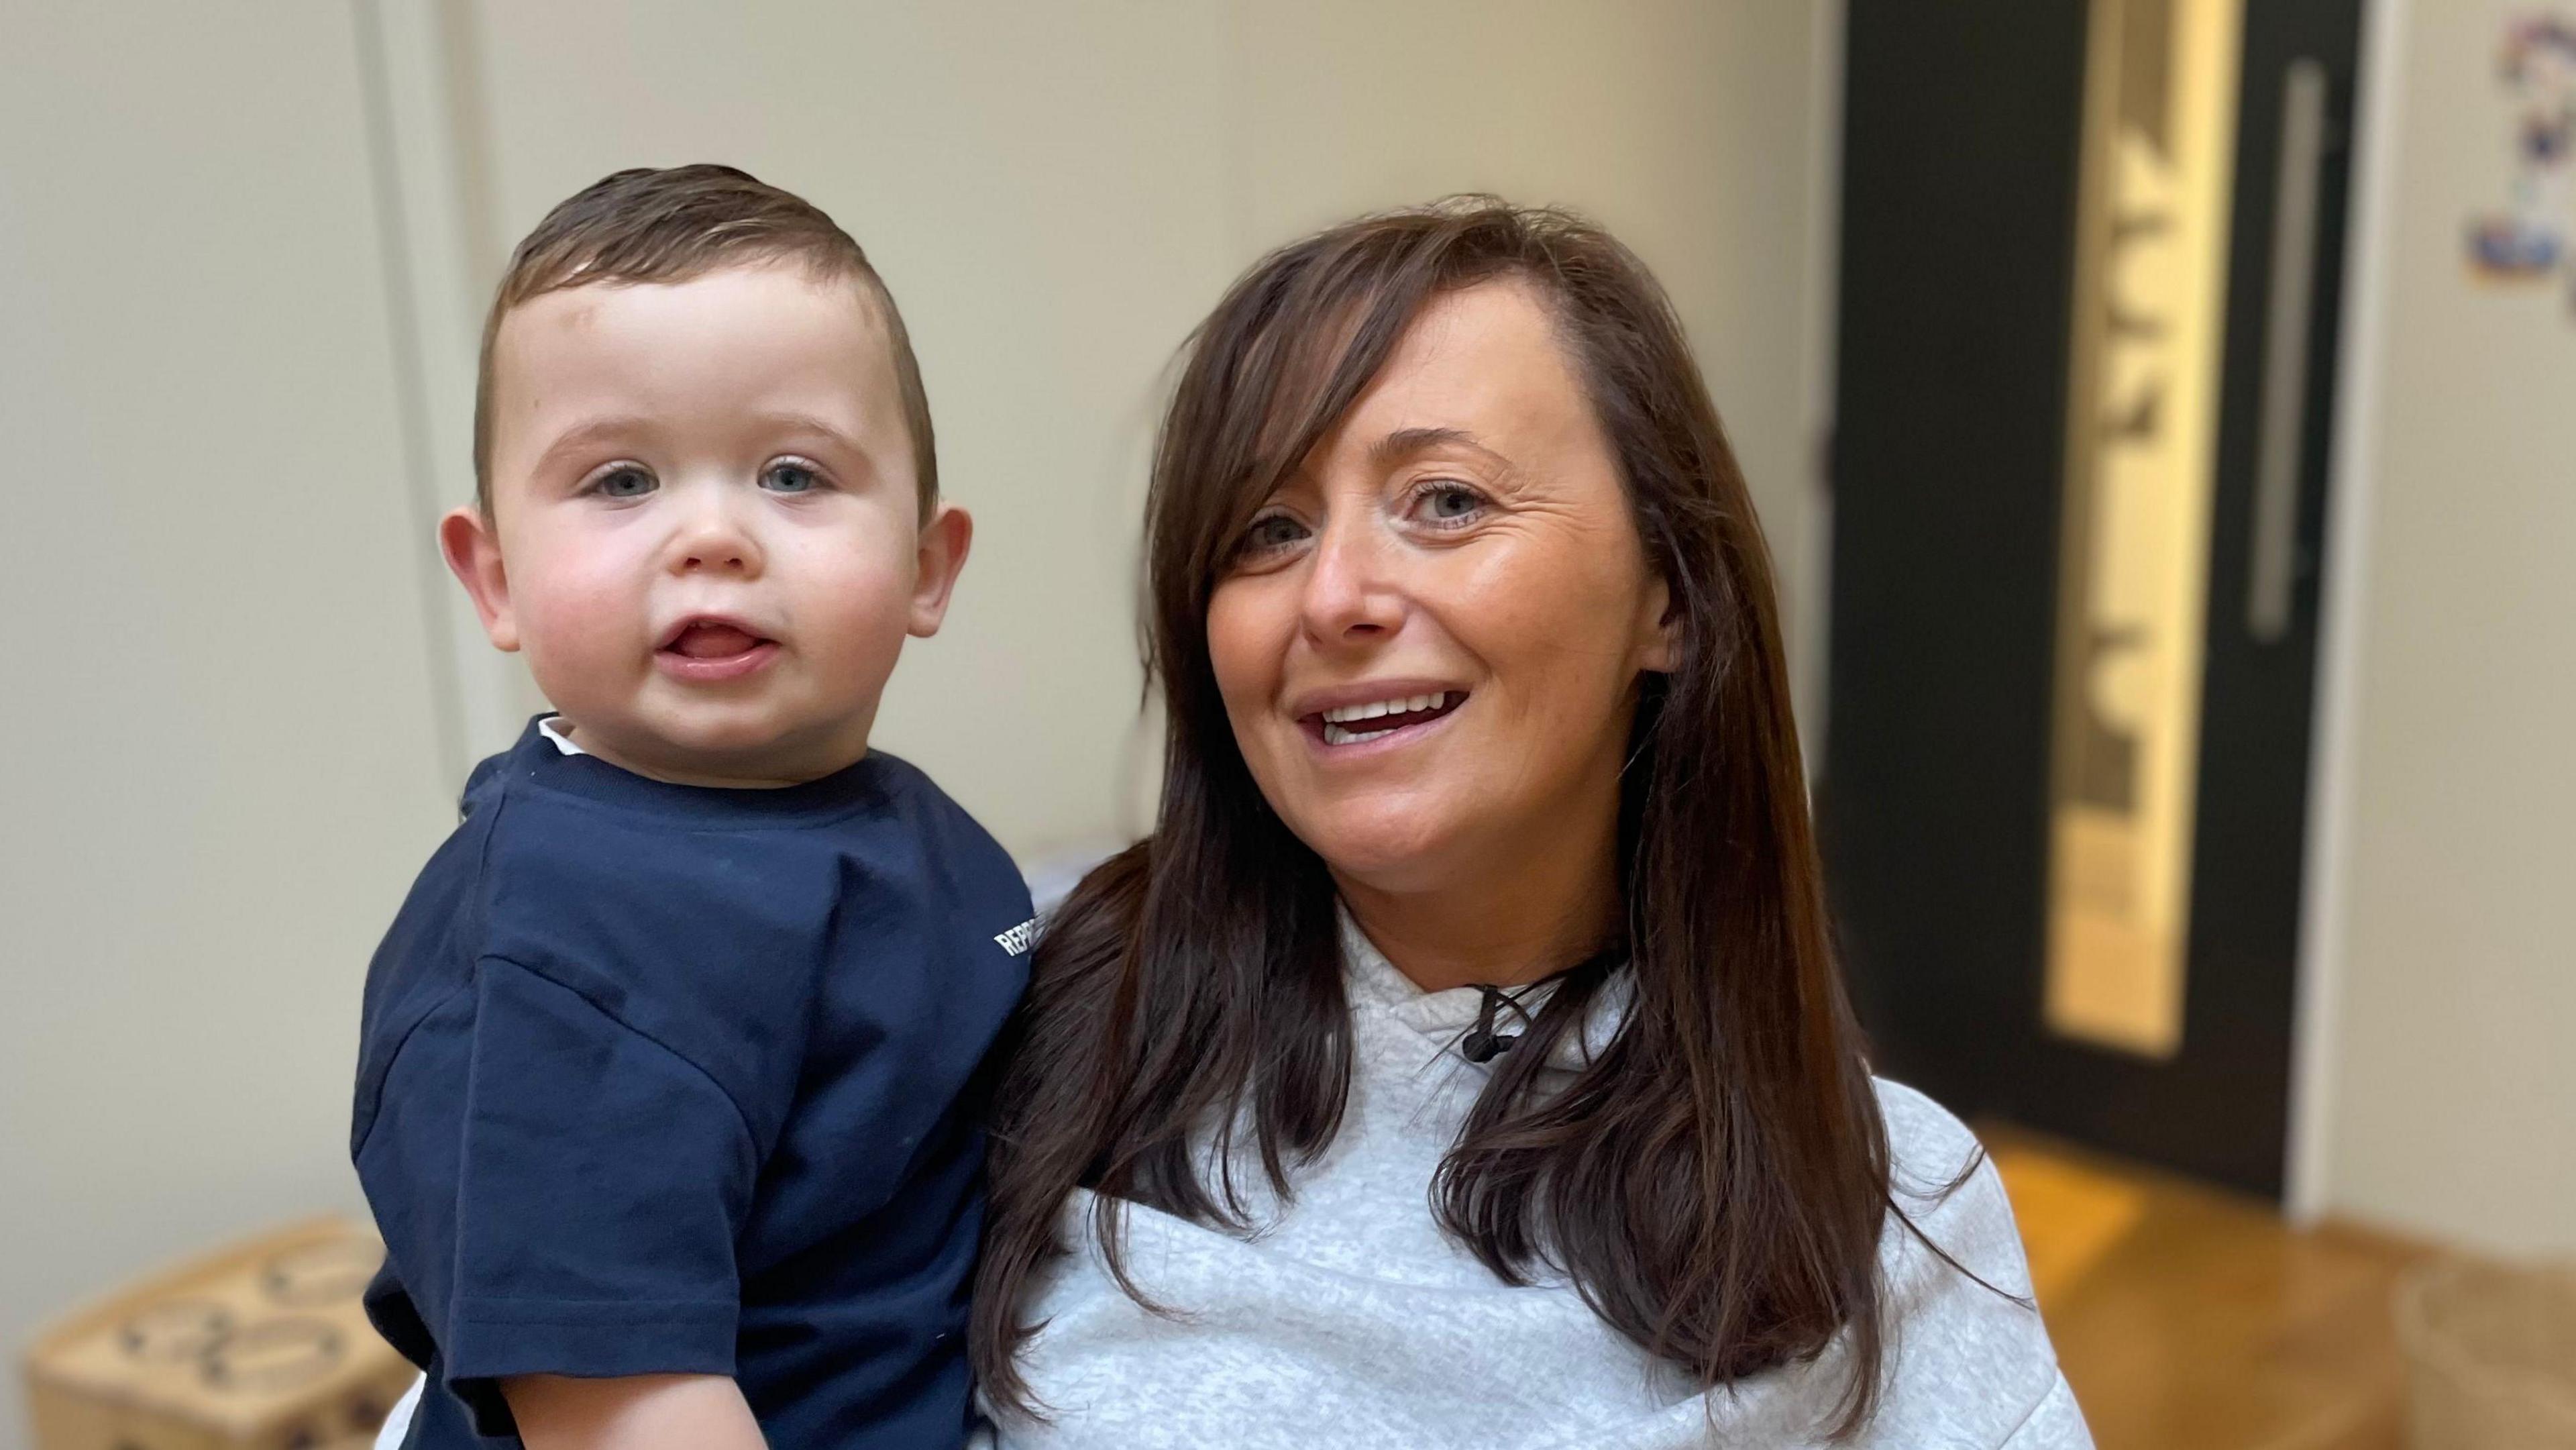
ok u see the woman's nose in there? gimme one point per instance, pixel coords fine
(1351, 591)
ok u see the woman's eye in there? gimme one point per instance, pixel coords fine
(1448, 503)
(790, 478)
(1277, 531)
(623, 482)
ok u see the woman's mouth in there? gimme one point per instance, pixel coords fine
(1364, 723)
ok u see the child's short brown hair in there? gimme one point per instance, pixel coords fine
(671, 224)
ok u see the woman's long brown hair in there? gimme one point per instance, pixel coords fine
(1715, 1182)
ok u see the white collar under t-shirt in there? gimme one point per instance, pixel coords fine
(547, 728)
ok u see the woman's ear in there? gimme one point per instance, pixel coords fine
(944, 542)
(1659, 628)
(473, 550)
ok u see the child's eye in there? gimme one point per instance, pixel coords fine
(626, 480)
(790, 478)
(1446, 503)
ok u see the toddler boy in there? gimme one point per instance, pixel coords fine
(666, 1102)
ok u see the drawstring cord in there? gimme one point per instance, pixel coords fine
(1482, 1043)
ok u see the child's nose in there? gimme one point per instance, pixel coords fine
(713, 540)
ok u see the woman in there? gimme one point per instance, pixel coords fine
(1463, 1060)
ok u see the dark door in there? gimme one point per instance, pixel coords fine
(2090, 260)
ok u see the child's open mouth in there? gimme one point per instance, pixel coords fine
(709, 650)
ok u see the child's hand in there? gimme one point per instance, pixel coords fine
(637, 1412)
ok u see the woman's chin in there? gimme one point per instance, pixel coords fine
(1400, 854)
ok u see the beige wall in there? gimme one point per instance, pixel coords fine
(1057, 193)
(248, 699)
(2448, 912)
(220, 757)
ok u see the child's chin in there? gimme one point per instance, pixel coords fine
(747, 744)
(730, 744)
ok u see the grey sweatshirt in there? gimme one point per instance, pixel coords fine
(1349, 1319)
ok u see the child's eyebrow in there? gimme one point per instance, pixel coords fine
(638, 428)
(593, 431)
(809, 423)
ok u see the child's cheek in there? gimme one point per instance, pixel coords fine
(584, 608)
(854, 607)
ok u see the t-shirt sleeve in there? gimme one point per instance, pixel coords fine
(602, 1180)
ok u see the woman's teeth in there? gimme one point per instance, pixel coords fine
(1338, 720)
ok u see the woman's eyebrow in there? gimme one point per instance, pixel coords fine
(1405, 443)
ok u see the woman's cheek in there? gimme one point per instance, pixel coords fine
(1241, 649)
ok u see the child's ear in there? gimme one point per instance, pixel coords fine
(473, 550)
(944, 542)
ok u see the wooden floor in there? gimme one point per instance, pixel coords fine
(2190, 1318)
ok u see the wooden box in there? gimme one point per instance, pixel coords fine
(263, 1346)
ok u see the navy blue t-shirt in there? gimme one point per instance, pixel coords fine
(665, 1079)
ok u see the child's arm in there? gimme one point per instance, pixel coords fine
(634, 1412)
